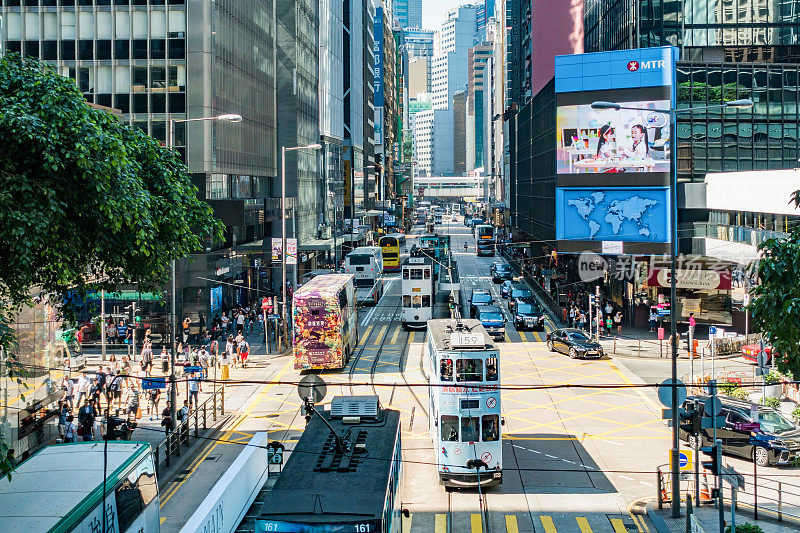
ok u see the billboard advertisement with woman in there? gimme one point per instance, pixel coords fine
(612, 141)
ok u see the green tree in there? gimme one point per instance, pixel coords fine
(86, 202)
(775, 307)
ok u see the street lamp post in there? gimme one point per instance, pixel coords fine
(285, 149)
(673, 141)
(173, 400)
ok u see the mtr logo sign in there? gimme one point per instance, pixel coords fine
(653, 64)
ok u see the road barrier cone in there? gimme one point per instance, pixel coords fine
(705, 492)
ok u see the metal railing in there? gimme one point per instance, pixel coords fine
(546, 297)
(188, 428)
(762, 493)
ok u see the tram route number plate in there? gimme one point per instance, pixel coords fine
(466, 340)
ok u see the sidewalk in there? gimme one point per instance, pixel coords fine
(708, 517)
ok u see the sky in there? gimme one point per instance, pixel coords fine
(433, 11)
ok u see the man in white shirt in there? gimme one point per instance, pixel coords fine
(84, 383)
(224, 320)
(240, 322)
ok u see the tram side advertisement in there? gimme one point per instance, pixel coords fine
(318, 338)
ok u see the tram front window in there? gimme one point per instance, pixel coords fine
(491, 369)
(469, 370)
(450, 428)
(446, 369)
(469, 429)
(490, 426)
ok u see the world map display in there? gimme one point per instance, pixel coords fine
(628, 215)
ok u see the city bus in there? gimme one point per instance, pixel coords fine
(418, 292)
(484, 240)
(392, 246)
(462, 367)
(59, 489)
(366, 264)
(325, 326)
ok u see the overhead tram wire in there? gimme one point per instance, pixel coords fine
(429, 463)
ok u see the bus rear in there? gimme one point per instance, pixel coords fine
(484, 240)
(324, 317)
(390, 245)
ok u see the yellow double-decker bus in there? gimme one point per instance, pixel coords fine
(392, 245)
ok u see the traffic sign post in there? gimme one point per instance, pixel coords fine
(685, 460)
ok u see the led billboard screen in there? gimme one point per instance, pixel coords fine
(613, 141)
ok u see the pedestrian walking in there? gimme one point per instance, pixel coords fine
(244, 352)
(183, 412)
(224, 365)
(86, 419)
(618, 322)
(154, 397)
(164, 360)
(70, 430)
(166, 419)
(63, 413)
(653, 319)
(194, 390)
(147, 358)
(692, 324)
(609, 324)
(68, 388)
(83, 387)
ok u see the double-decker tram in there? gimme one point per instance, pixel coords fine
(419, 292)
(392, 246)
(366, 264)
(462, 366)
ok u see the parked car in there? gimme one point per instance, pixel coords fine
(493, 322)
(505, 288)
(573, 342)
(518, 291)
(500, 272)
(479, 297)
(776, 442)
(528, 314)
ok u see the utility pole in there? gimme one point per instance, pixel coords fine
(102, 324)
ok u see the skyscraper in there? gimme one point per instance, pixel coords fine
(408, 13)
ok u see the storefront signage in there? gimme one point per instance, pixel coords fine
(612, 247)
(691, 279)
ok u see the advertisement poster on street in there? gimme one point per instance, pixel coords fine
(291, 247)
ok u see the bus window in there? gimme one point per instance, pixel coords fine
(450, 428)
(491, 369)
(343, 298)
(469, 370)
(407, 300)
(426, 301)
(490, 426)
(469, 429)
(427, 273)
(446, 370)
(135, 493)
(405, 273)
(416, 273)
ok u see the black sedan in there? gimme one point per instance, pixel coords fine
(500, 272)
(573, 342)
(528, 314)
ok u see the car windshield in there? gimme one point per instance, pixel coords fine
(579, 336)
(521, 293)
(773, 422)
(502, 268)
(494, 316)
(526, 309)
(481, 298)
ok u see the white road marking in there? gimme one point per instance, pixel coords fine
(626, 477)
(551, 456)
(612, 442)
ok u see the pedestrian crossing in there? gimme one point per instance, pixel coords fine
(512, 523)
(392, 336)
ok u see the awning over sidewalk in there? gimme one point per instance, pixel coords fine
(320, 245)
(372, 213)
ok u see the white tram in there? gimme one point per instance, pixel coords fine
(465, 421)
(419, 292)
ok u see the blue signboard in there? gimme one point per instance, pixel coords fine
(154, 383)
(613, 164)
(378, 86)
(613, 214)
(190, 369)
(215, 300)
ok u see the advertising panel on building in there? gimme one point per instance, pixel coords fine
(613, 165)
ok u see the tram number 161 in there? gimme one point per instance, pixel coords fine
(362, 528)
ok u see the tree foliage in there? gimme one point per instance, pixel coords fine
(86, 201)
(775, 307)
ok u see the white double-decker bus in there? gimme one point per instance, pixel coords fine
(366, 264)
(462, 366)
(419, 292)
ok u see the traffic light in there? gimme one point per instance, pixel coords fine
(713, 453)
(691, 419)
(137, 315)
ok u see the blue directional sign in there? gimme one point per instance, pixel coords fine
(189, 369)
(154, 383)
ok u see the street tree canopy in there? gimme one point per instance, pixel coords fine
(86, 201)
(83, 196)
(775, 307)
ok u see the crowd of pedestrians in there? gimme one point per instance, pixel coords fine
(115, 388)
(605, 316)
